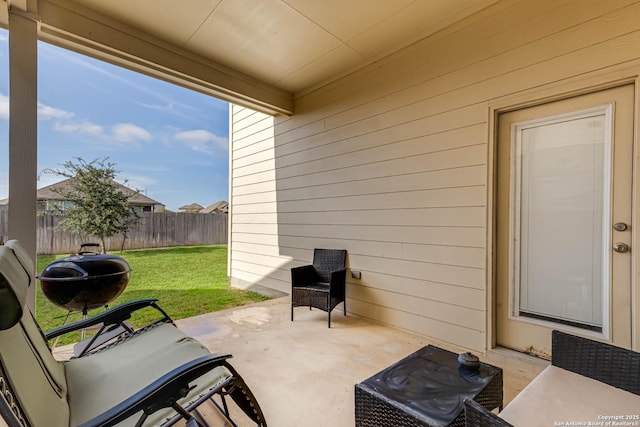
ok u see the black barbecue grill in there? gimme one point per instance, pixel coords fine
(86, 280)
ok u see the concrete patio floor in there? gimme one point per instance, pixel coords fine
(303, 373)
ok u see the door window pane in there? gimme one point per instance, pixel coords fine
(562, 228)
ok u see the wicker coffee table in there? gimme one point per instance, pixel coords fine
(426, 388)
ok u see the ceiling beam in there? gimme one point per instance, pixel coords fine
(75, 28)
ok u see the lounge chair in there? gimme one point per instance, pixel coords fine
(151, 376)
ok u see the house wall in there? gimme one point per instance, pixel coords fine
(394, 162)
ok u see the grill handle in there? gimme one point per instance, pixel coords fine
(84, 275)
(82, 250)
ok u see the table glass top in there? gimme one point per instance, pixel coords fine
(430, 384)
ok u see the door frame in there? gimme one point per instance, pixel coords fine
(591, 82)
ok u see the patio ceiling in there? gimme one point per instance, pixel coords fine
(260, 53)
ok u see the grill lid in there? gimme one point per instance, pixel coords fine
(85, 281)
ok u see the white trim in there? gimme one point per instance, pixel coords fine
(23, 133)
(230, 197)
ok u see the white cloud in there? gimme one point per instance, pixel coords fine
(202, 140)
(4, 106)
(85, 127)
(170, 106)
(153, 168)
(121, 132)
(58, 54)
(62, 122)
(47, 112)
(174, 108)
(128, 132)
(159, 107)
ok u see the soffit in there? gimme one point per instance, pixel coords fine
(293, 45)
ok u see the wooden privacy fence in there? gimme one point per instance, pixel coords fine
(152, 230)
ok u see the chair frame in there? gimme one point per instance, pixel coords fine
(10, 411)
(116, 319)
(309, 288)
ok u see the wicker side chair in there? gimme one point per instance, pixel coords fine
(477, 416)
(603, 362)
(600, 361)
(322, 284)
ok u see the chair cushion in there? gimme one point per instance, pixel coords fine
(99, 381)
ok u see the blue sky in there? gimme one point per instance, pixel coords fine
(171, 143)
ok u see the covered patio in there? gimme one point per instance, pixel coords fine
(383, 129)
(304, 373)
(393, 130)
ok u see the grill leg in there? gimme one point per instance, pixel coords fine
(85, 312)
(66, 319)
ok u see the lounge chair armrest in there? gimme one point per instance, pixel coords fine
(112, 316)
(303, 275)
(161, 393)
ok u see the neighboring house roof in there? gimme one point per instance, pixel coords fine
(221, 206)
(4, 201)
(193, 207)
(49, 193)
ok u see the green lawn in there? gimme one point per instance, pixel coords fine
(188, 281)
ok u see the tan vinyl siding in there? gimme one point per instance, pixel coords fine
(392, 162)
(254, 247)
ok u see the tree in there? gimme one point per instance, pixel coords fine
(98, 206)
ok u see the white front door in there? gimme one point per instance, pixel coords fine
(563, 221)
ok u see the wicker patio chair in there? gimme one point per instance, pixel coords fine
(477, 415)
(603, 362)
(609, 364)
(322, 284)
(151, 376)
